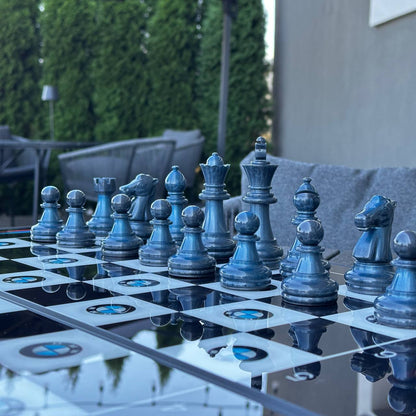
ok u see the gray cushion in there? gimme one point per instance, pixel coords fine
(182, 138)
(344, 192)
(5, 133)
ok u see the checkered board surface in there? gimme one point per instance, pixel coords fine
(247, 337)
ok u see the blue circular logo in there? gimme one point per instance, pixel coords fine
(59, 260)
(138, 283)
(107, 309)
(23, 279)
(248, 314)
(51, 350)
(242, 352)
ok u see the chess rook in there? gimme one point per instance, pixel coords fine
(260, 173)
(121, 242)
(372, 271)
(160, 246)
(306, 201)
(397, 307)
(192, 259)
(175, 184)
(142, 191)
(75, 232)
(309, 284)
(50, 223)
(101, 222)
(216, 237)
(245, 270)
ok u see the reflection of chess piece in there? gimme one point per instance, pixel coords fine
(50, 223)
(402, 356)
(101, 221)
(260, 174)
(192, 259)
(397, 307)
(160, 246)
(372, 271)
(369, 361)
(175, 185)
(76, 291)
(310, 284)
(142, 190)
(306, 201)
(216, 237)
(245, 270)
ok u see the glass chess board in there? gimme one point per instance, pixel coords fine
(87, 336)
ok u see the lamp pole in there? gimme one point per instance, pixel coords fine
(50, 93)
(229, 11)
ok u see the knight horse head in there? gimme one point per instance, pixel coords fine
(377, 212)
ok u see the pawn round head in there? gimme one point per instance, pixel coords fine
(50, 194)
(193, 216)
(160, 209)
(75, 198)
(120, 203)
(247, 223)
(175, 181)
(405, 245)
(310, 232)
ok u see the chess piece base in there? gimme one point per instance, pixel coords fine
(391, 311)
(193, 268)
(245, 278)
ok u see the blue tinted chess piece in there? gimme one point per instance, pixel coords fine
(372, 271)
(102, 222)
(245, 270)
(160, 246)
(141, 190)
(306, 201)
(192, 259)
(175, 184)
(310, 283)
(216, 237)
(121, 242)
(260, 174)
(397, 307)
(50, 223)
(75, 232)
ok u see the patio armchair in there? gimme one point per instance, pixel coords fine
(343, 193)
(122, 160)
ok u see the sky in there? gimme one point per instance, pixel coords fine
(269, 10)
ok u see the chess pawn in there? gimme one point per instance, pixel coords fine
(75, 232)
(50, 223)
(245, 270)
(192, 259)
(397, 307)
(102, 222)
(310, 283)
(306, 201)
(141, 190)
(160, 246)
(372, 271)
(260, 174)
(121, 242)
(175, 184)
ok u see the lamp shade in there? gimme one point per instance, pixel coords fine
(49, 93)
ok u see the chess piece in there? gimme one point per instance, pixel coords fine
(306, 201)
(142, 191)
(245, 270)
(175, 184)
(160, 246)
(397, 307)
(75, 232)
(260, 174)
(216, 237)
(121, 242)
(50, 223)
(101, 222)
(372, 271)
(310, 283)
(192, 259)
